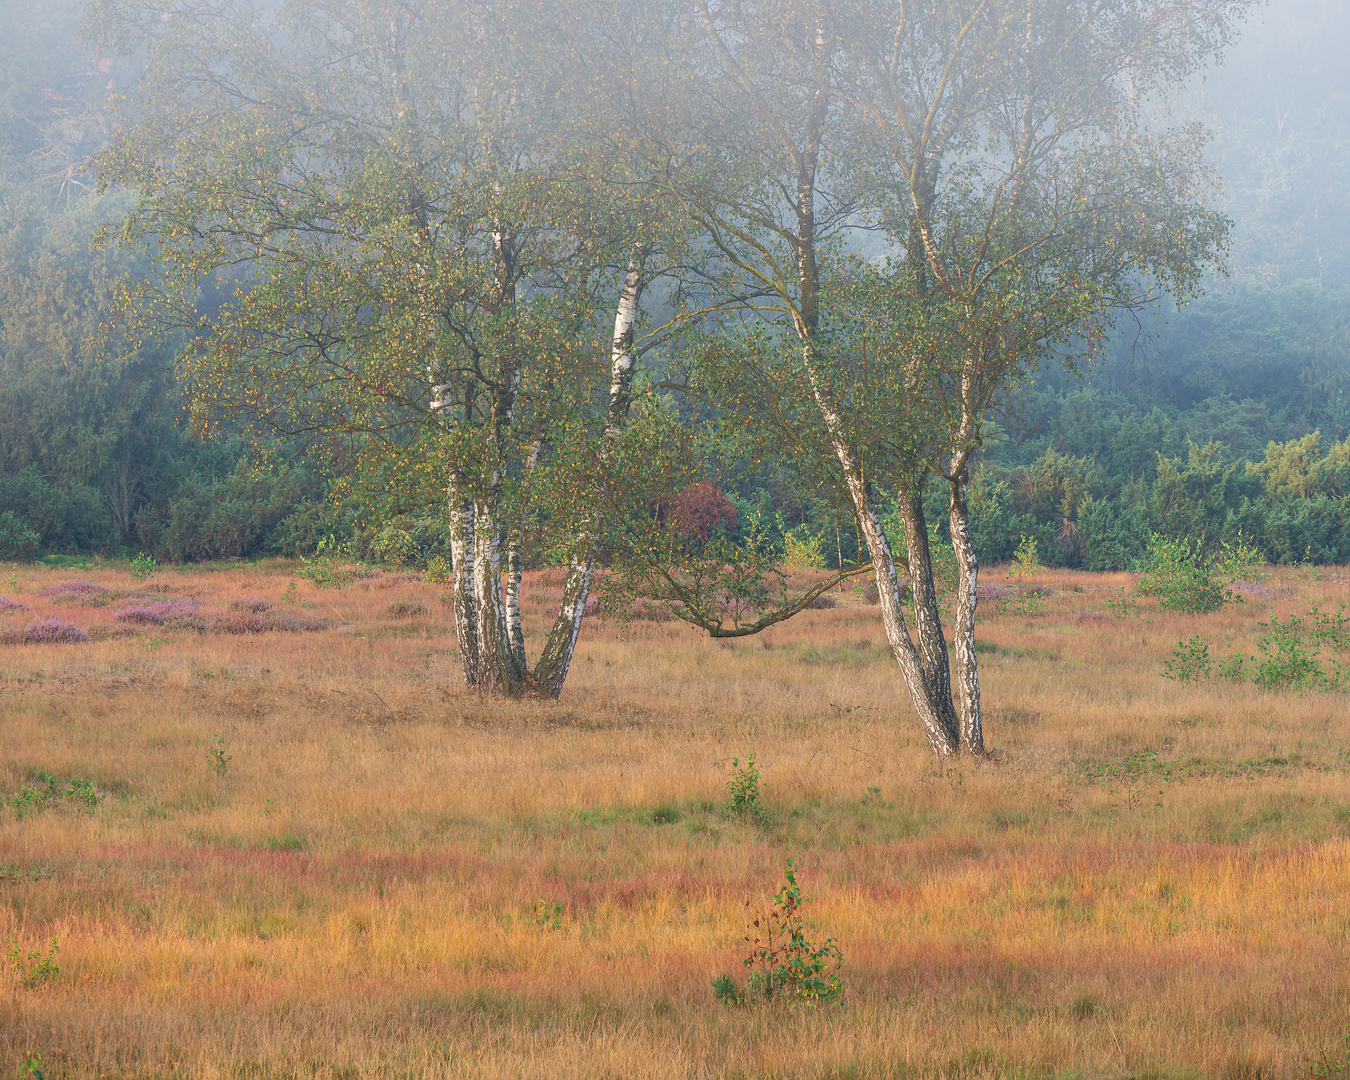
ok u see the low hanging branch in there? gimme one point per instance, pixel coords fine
(685, 604)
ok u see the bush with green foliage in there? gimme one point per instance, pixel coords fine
(1181, 578)
(783, 961)
(18, 542)
(49, 792)
(1190, 661)
(1290, 658)
(743, 790)
(34, 968)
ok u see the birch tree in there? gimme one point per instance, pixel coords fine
(773, 76)
(408, 247)
(1001, 147)
(1016, 154)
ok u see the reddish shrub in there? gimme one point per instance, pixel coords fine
(699, 509)
(872, 595)
(260, 622)
(991, 592)
(6, 604)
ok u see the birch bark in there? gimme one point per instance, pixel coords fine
(942, 736)
(462, 591)
(967, 598)
(932, 645)
(554, 661)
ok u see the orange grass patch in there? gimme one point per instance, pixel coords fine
(1150, 879)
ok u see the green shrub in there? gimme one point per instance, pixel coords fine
(803, 550)
(1190, 661)
(49, 791)
(440, 570)
(332, 566)
(743, 790)
(220, 761)
(1233, 668)
(1334, 1065)
(1027, 559)
(227, 518)
(783, 961)
(1181, 578)
(1286, 661)
(34, 968)
(1240, 561)
(18, 543)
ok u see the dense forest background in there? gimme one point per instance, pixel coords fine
(1229, 416)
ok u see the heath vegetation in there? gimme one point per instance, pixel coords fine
(319, 854)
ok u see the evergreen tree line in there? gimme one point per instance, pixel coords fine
(1231, 418)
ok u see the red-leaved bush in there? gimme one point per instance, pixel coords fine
(698, 510)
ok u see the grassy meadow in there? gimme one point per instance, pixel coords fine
(317, 855)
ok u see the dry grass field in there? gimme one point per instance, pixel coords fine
(389, 876)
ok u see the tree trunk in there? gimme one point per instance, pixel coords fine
(462, 591)
(514, 572)
(967, 597)
(496, 672)
(551, 670)
(942, 734)
(120, 487)
(927, 619)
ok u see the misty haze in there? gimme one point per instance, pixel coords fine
(675, 538)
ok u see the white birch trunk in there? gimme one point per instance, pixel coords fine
(932, 645)
(462, 591)
(556, 659)
(941, 737)
(496, 672)
(551, 671)
(967, 682)
(515, 629)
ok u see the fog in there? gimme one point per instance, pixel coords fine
(1279, 108)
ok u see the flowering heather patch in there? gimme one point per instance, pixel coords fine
(6, 604)
(260, 622)
(250, 603)
(158, 613)
(51, 631)
(991, 592)
(1262, 592)
(83, 592)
